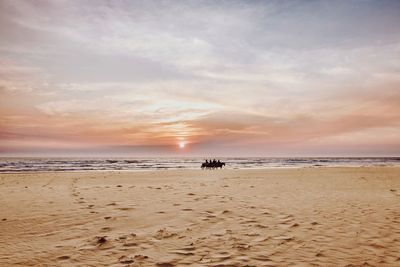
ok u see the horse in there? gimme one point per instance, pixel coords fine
(212, 165)
(220, 165)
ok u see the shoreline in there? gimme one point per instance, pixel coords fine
(199, 169)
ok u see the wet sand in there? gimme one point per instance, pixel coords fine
(276, 217)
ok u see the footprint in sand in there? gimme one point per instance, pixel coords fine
(165, 264)
(185, 251)
(140, 257)
(164, 233)
(259, 225)
(125, 209)
(284, 238)
(65, 257)
(253, 234)
(126, 237)
(287, 221)
(130, 244)
(126, 260)
(106, 229)
(100, 240)
(248, 221)
(241, 246)
(221, 256)
(263, 258)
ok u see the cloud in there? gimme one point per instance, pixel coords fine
(221, 75)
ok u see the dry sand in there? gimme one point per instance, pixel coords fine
(296, 217)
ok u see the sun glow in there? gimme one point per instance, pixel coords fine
(182, 145)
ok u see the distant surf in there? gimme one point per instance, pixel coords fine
(109, 164)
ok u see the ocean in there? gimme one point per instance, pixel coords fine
(127, 164)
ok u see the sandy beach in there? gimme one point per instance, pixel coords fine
(275, 217)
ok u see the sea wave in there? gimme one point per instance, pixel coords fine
(104, 164)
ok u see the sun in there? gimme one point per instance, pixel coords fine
(181, 145)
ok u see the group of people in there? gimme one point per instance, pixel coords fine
(212, 164)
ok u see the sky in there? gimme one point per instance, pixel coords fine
(199, 78)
